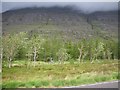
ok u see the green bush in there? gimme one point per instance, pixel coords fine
(23, 46)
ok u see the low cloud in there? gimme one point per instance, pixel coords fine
(86, 7)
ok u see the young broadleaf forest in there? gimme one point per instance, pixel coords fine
(57, 47)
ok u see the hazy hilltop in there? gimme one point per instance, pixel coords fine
(64, 22)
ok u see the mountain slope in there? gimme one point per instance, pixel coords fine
(64, 22)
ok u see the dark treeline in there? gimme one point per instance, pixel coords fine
(34, 47)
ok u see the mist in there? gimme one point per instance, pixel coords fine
(86, 7)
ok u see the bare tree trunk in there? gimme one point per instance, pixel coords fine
(80, 51)
(97, 58)
(92, 59)
(10, 62)
(104, 55)
(84, 56)
(90, 56)
(35, 54)
(108, 55)
(59, 60)
(1, 56)
(114, 57)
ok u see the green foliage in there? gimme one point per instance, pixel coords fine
(63, 55)
(72, 49)
(11, 44)
(39, 48)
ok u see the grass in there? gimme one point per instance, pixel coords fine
(59, 75)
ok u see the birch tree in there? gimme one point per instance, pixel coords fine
(107, 52)
(80, 52)
(10, 47)
(62, 55)
(33, 47)
(1, 53)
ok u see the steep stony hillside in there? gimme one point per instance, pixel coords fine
(63, 22)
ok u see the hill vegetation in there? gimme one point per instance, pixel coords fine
(62, 21)
(48, 41)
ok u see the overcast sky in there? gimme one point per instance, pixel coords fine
(84, 6)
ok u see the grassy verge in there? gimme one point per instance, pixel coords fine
(59, 75)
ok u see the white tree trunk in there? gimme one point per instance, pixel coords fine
(104, 55)
(35, 54)
(80, 51)
(10, 62)
(1, 56)
(84, 55)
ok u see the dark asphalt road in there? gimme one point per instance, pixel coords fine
(112, 84)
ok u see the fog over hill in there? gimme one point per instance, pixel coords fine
(86, 7)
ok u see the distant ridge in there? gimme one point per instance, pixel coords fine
(62, 19)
